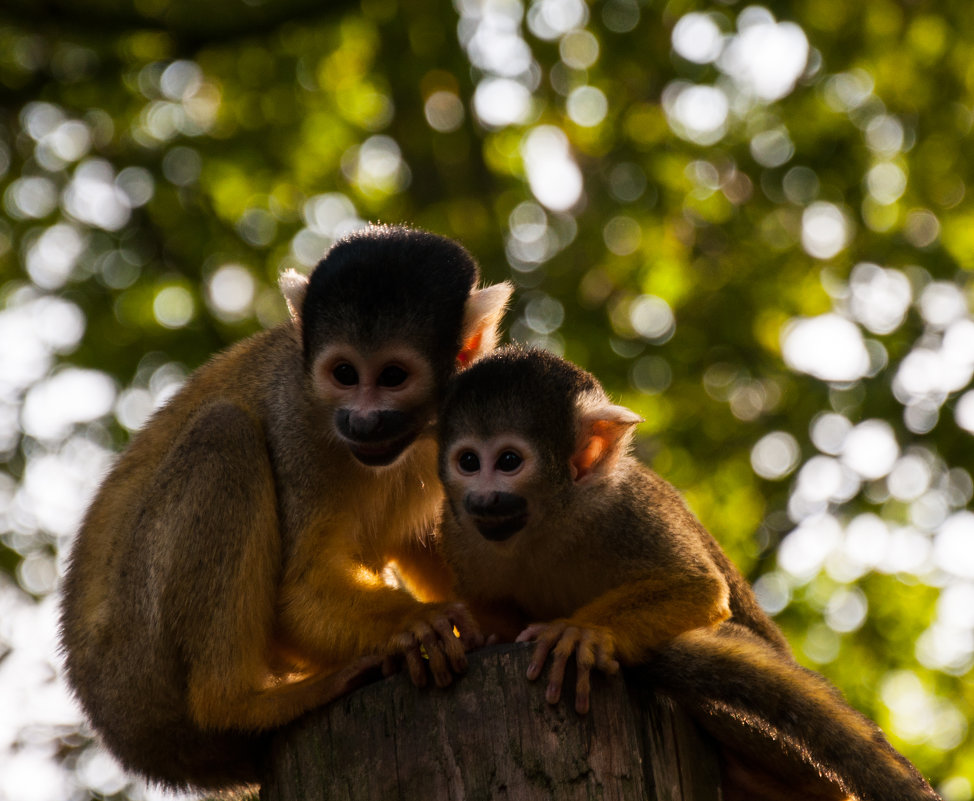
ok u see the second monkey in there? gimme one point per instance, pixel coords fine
(560, 537)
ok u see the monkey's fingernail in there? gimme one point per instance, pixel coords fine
(553, 693)
(533, 672)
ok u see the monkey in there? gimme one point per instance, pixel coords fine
(228, 575)
(559, 536)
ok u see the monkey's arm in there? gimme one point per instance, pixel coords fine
(627, 623)
(776, 714)
(338, 609)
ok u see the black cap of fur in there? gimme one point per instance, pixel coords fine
(525, 391)
(390, 283)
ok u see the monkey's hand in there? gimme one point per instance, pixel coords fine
(593, 646)
(444, 632)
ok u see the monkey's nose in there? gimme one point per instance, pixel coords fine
(365, 426)
(373, 426)
(495, 504)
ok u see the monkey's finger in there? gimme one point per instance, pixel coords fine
(605, 661)
(466, 626)
(405, 646)
(562, 652)
(538, 658)
(556, 677)
(416, 666)
(452, 647)
(584, 659)
(438, 666)
(546, 635)
(391, 664)
(603, 651)
(583, 688)
(531, 632)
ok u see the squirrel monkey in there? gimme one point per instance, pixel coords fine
(558, 536)
(228, 574)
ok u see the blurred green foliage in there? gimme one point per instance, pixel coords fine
(162, 161)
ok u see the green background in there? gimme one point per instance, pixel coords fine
(144, 147)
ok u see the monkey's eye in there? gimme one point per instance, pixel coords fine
(508, 461)
(468, 462)
(392, 376)
(345, 374)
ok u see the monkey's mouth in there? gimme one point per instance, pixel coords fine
(380, 454)
(498, 529)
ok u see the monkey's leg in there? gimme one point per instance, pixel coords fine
(210, 542)
(751, 692)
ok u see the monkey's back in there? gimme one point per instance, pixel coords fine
(124, 612)
(667, 507)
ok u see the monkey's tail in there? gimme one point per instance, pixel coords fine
(764, 706)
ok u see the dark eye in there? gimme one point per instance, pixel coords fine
(392, 376)
(468, 462)
(508, 461)
(345, 374)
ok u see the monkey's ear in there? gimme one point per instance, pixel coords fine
(604, 435)
(294, 286)
(482, 315)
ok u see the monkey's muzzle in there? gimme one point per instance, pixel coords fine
(497, 515)
(376, 438)
(380, 454)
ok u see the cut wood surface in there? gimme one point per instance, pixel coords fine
(492, 735)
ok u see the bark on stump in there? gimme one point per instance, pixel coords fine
(492, 735)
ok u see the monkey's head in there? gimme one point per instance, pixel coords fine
(522, 432)
(386, 318)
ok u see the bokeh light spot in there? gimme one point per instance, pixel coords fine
(501, 101)
(775, 455)
(587, 106)
(444, 111)
(553, 175)
(828, 347)
(173, 307)
(826, 230)
(697, 38)
(230, 292)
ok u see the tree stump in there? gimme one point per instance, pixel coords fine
(492, 735)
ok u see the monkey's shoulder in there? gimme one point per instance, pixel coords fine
(637, 493)
(221, 407)
(247, 371)
(246, 375)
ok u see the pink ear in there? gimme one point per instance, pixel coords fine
(470, 349)
(482, 315)
(603, 437)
